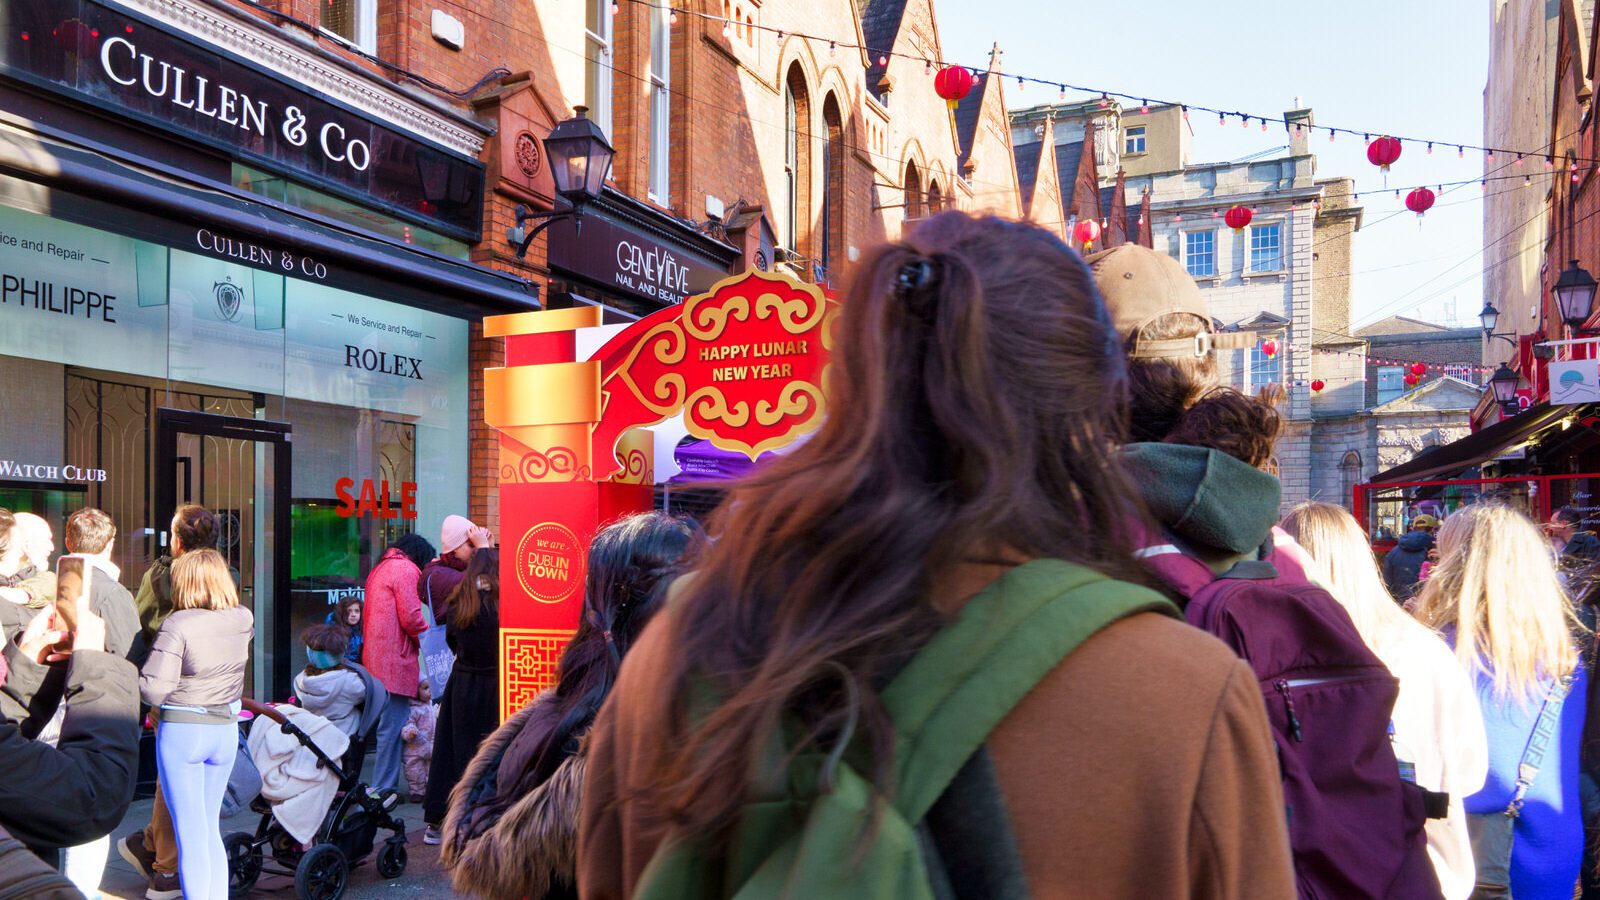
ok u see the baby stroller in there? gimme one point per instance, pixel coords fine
(345, 837)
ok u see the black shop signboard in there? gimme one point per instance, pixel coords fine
(124, 64)
(624, 253)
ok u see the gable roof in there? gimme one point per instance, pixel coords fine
(1453, 394)
(968, 112)
(1068, 158)
(1027, 156)
(880, 25)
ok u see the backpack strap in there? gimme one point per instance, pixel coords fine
(979, 666)
(1180, 571)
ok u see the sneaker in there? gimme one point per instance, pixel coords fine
(164, 887)
(431, 835)
(142, 858)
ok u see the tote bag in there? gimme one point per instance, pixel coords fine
(437, 657)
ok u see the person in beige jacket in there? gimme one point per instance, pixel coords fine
(193, 681)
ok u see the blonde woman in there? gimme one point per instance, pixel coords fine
(193, 681)
(1495, 595)
(1438, 729)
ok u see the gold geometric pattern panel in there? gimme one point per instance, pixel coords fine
(528, 661)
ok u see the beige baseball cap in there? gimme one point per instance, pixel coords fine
(1141, 286)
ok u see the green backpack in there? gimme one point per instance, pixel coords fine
(798, 838)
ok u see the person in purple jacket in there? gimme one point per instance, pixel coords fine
(1496, 595)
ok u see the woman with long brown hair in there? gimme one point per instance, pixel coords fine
(976, 393)
(470, 707)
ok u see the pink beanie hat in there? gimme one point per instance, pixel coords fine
(454, 533)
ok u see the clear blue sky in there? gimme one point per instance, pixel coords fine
(1412, 67)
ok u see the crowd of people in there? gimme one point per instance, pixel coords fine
(1025, 617)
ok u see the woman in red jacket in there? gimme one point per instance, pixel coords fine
(391, 626)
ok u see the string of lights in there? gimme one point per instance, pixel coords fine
(1105, 95)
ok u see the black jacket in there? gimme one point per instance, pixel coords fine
(32, 691)
(79, 789)
(1402, 568)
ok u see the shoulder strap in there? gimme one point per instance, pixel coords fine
(1544, 728)
(427, 608)
(979, 666)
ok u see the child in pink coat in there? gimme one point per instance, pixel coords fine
(418, 737)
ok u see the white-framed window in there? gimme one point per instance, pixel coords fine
(356, 21)
(1133, 140)
(1391, 382)
(1264, 370)
(597, 63)
(1200, 253)
(1266, 247)
(660, 102)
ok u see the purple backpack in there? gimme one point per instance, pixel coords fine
(1355, 827)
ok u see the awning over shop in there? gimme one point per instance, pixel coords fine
(1450, 459)
(144, 196)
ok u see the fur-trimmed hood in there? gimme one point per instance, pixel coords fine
(529, 848)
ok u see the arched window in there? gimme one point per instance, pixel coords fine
(913, 192)
(796, 160)
(935, 198)
(831, 228)
(1349, 477)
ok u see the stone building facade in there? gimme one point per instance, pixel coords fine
(1517, 113)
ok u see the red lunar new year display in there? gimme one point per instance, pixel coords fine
(743, 364)
(952, 83)
(1269, 348)
(1412, 380)
(1238, 217)
(1317, 386)
(1419, 369)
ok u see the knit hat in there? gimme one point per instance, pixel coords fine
(1141, 286)
(454, 533)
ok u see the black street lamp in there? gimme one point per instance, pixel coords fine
(1574, 292)
(1489, 317)
(1504, 384)
(580, 159)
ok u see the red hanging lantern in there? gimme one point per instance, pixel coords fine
(1412, 380)
(1419, 369)
(1269, 348)
(1317, 386)
(1383, 152)
(952, 83)
(1420, 200)
(1086, 233)
(1238, 217)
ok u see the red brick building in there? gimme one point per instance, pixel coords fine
(279, 224)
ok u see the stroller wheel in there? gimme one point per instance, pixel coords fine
(244, 862)
(392, 860)
(322, 874)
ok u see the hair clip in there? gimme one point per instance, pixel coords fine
(912, 280)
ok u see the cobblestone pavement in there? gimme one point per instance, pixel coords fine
(422, 877)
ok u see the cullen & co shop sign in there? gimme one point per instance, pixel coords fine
(120, 63)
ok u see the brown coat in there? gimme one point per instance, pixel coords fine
(1141, 767)
(524, 844)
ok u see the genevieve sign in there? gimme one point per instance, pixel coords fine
(743, 363)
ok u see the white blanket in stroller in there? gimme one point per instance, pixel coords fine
(299, 789)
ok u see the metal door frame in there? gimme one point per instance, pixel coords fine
(172, 422)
